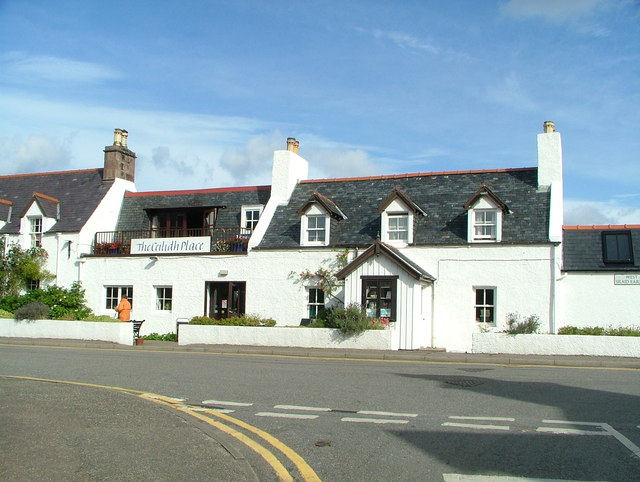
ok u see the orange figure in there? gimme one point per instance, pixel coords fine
(124, 309)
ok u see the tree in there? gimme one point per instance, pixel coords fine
(19, 267)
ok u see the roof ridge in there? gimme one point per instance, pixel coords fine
(579, 227)
(30, 174)
(416, 174)
(196, 191)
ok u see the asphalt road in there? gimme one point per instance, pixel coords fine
(346, 419)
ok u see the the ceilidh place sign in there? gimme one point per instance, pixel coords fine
(200, 244)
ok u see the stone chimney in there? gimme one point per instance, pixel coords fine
(119, 161)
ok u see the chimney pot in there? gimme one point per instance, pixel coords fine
(117, 137)
(125, 135)
(291, 142)
(548, 126)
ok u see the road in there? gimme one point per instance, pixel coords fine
(380, 420)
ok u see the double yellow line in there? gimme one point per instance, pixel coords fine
(305, 471)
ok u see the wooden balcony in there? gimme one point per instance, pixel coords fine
(221, 240)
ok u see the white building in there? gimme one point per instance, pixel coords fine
(442, 255)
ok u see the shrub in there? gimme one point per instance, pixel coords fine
(103, 318)
(5, 314)
(165, 337)
(599, 331)
(350, 320)
(244, 320)
(516, 326)
(32, 311)
(65, 304)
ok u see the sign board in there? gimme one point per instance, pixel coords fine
(626, 279)
(199, 244)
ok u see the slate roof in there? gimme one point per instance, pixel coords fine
(135, 207)
(582, 248)
(440, 195)
(78, 192)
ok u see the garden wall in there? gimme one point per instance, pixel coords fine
(282, 336)
(121, 333)
(625, 346)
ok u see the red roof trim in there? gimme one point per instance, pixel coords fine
(44, 196)
(49, 173)
(197, 191)
(417, 174)
(601, 227)
(4, 201)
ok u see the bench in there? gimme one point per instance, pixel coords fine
(136, 327)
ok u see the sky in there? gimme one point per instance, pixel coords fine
(209, 89)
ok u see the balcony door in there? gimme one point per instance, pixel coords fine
(224, 299)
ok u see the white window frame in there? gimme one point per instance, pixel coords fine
(312, 301)
(162, 298)
(247, 221)
(116, 295)
(480, 209)
(484, 305)
(396, 210)
(35, 230)
(306, 228)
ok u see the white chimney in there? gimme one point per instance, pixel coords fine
(550, 177)
(287, 171)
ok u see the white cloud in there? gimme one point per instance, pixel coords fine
(405, 40)
(510, 93)
(251, 163)
(56, 69)
(553, 10)
(578, 212)
(33, 154)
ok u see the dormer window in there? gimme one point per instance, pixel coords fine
(484, 217)
(315, 220)
(617, 247)
(35, 231)
(397, 216)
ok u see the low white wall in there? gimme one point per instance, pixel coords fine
(282, 336)
(121, 333)
(627, 346)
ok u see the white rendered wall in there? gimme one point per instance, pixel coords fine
(121, 333)
(592, 299)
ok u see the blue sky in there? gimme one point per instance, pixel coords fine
(208, 89)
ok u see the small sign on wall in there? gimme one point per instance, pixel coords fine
(626, 279)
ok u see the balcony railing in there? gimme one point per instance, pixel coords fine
(223, 240)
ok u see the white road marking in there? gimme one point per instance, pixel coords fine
(228, 404)
(372, 420)
(299, 407)
(286, 415)
(497, 478)
(477, 426)
(492, 419)
(203, 409)
(569, 431)
(386, 414)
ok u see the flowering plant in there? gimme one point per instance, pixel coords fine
(381, 323)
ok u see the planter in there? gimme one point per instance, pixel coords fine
(139, 341)
(625, 346)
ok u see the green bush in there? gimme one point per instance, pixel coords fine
(32, 311)
(64, 304)
(599, 331)
(5, 314)
(165, 337)
(516, 326)
(245, 320)
(350, 320)
(103, 318)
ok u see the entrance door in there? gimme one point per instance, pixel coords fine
(224, 300)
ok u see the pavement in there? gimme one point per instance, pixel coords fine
(56, 431)
(429, 356)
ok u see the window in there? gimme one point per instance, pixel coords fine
(316, 229)
(164, 295)
(35, 231)
(33, 284)
(485, 305)
(485, 224)
(617, 247)
(115, 294)
(398, 227)
(251, 216)
(378, 297)
(316, 302)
